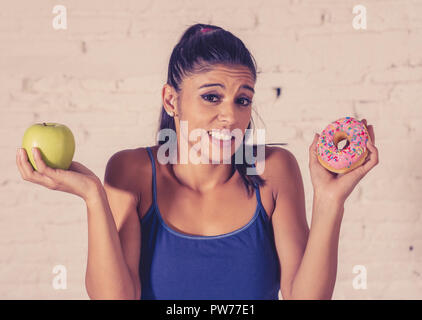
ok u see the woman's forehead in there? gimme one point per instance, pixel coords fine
(224, 73)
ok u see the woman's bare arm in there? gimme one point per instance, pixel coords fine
(113, 236)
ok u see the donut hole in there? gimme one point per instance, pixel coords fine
(342, 144)
(340, 140)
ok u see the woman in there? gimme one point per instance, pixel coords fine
(207, 231)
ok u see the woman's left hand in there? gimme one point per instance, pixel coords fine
(335, 186)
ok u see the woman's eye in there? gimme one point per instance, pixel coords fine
(205, 96)
(247, 100)
(209, 98)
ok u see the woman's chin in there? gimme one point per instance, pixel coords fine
(221, 155)
(216, 157)
(220, 160)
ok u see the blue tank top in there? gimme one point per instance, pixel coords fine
(242, 264)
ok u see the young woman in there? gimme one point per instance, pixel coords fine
(207, 231)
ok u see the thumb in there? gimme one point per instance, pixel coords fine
(314, 142)
(313, 149)
(316, 137)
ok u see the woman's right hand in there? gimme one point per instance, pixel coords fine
(78, 179)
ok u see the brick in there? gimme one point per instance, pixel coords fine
(145, 84)
(385, 211)
(335, 93)
(392, 231)
(353, 51)
(405, 289)
(285, 53)
(371, 111)
(397, 74)
(352, 231)
(415, 44)
(23, 233)
(404, 101)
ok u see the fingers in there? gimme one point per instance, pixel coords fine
(370, 130)
(373, 155)
(371, 161)
(22, 166)
(371, 133)
(313, 157)
(25, 168)
(41, 166)
(31, 175)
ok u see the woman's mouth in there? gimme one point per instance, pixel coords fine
(220, 139)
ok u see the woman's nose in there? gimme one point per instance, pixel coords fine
(227, 112)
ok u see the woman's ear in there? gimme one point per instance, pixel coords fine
(169, 99)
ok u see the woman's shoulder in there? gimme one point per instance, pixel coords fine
(139, 159)
(131, 158)
(278, 162)
(127, 164)
(276, 159)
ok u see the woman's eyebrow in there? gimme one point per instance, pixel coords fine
(222, 85)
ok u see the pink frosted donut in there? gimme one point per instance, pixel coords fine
(353, 153)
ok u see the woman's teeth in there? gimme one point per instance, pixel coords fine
(220, 135)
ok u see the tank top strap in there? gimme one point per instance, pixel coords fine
(154, 182)
(257, 193)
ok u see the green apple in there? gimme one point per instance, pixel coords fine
(55, 141)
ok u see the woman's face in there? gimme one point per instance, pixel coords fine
(219, 99)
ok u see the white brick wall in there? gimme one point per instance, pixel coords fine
(103, 77)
